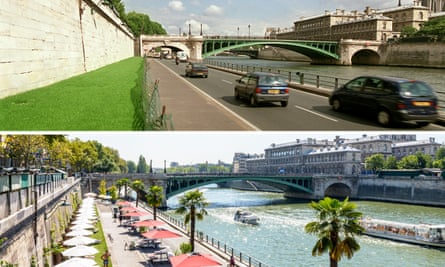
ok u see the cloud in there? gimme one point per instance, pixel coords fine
(176, 5)
(213, 10)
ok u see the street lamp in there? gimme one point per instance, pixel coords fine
(249, 30)
(190, 29)
(237, 32)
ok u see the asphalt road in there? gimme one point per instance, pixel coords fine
(305, 111)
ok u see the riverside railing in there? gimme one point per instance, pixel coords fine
(215, 244)
(301, 79)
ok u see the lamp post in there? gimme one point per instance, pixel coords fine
(201, 30)
(237, 32)
(190, 29)
(249, 30)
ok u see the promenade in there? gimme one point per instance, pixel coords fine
(117, 236)
(192, 109)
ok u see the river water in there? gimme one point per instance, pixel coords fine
(432, 76)
(280, 239)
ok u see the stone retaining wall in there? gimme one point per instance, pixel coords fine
(46, 41)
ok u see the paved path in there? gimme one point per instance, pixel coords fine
(133, 258)
(192, 109)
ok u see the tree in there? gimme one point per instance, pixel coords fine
(131, 166)
(375, 162)
(408, 31)
(138, 187)
(424, 160)
(337, 223)
(409, 162)
(192, 205)
(433, 27)
(142, 165)
(25, 150)
(154, 198)
(125, 182)
(141, 24)
(391, 162)
(102, 187)
(440, 153)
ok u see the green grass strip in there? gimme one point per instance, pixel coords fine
(104, 99)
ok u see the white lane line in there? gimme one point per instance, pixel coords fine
(226, 81)
(318, 114)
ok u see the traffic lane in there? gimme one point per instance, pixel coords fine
(305, 111)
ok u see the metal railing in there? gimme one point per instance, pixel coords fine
(222, 247)
(310, 79)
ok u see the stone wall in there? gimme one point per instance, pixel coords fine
(45, 41)
(428, 191)
(413, 54)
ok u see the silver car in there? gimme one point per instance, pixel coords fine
(259, 87)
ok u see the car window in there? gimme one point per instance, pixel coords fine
(415, 89)
(272, 81)
(253, 80)
(356, 84)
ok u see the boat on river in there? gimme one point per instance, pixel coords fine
(246, 217)
(420, 234)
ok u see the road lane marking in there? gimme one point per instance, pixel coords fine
(226, 81)
(316, 113)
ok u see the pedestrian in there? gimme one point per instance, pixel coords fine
(232, 261)
(106, 258)
(126, 245)
(120, 219)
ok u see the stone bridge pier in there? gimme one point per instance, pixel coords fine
(359, 52)
(335, 186)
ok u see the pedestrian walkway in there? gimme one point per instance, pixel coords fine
(192, 109)
(117, 236)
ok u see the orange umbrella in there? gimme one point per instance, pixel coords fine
(194, 260)
(160, 233)
(148, 223)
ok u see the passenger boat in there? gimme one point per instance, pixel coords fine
(420, 234)
(246, 217)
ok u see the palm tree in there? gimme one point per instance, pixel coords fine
(123, 182)
(192, 204)
(337, 224)
(137, 186)
(154, 198)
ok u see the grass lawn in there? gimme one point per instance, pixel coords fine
(104, 99)
(102, 246)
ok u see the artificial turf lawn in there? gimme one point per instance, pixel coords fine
(104, 99)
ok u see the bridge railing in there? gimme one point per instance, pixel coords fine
(304, 79)
(215, 243)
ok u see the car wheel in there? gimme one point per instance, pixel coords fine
(253, 101)
(336, 104)
(422, 123)
(383, 117)
(284, 104)
(237, 94)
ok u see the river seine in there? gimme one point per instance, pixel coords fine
(432, 76)
(280, 239)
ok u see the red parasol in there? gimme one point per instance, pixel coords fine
(160, 233)
(194, 260)
(126, 209)
(124, 203)
(148, 223)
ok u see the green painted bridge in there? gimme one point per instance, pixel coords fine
(312, 49)
(177, 184)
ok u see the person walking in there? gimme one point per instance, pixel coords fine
(106, 258)
(232, 261)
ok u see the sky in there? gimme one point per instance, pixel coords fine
(200, 147)
(224, 17)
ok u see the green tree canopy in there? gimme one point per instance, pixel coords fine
(433, 27)
(409, 162)
(391, 163)
(375, 162)
(154, 198)
(141, 24)
(142, 166)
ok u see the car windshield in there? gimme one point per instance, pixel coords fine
(272, 80)
(415, 89)
(199, 66)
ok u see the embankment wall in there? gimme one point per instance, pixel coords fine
(45, 41)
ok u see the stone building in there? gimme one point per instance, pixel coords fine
(428, 147)
(343, 160)
(414, 15)
(434, 5)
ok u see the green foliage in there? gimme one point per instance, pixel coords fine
(103, 99)
(185, 248)
(408, 31)
(391, 163)
(138, 187)
(4, 263)
(102, 187)
(375, 162)
(141, 24)
(113, 192)
(131, 166)
(337, 224)
(408, 162)
(154, 198)
(433, 27)
(142, 166)
(192, 205)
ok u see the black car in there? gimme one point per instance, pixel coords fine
(196, 69)
(260, 87)
(391, 99)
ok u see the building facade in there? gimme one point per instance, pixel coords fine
(337, 157)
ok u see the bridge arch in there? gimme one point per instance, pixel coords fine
(365, 57)
(315, 50)
(338, 190)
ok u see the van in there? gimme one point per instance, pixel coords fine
(182, 56)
